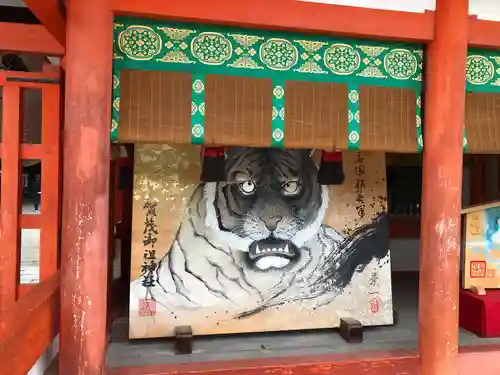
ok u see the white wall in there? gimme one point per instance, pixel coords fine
(483, 9)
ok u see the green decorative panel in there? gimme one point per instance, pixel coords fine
(418, 122)
(278, 123)
(115, 112)
(150, 44)
(198, 109)
(205, 49)
(483, 71)
(420, 139)
(353, 119)
(465, 143)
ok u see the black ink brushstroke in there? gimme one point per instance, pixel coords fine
(187, 269)
(177, 279)
(366, 243)
(221, 271)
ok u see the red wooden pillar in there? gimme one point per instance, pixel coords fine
(10, 235)
(442, 190)
(86, 187)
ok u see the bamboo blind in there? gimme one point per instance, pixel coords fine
(482, 122)
(155, 107)
(387, 119)
(316, 115)
(238, 111)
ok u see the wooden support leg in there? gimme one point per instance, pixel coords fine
(183, 336)
(351, 330)
(442, 190)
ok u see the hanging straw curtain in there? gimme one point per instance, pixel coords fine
(482, 122)
(155, 107)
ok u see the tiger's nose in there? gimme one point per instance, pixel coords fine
(272, 222)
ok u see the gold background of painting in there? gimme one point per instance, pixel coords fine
(475, 226)
(169, 174)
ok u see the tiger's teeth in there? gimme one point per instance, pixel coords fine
(285, 249)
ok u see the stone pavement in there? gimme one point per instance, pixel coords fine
(30, 250)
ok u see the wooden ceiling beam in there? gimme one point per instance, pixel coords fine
(289, 15)
(17, 37)
(303, 16)
(48, 13)
(484, 33)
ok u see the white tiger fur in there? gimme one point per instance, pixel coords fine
(226, 280)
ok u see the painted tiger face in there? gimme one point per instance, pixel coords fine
(272, 199)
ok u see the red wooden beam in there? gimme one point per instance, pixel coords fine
(47, 12)
(484, 33)
(290, 15)
(23, 289)
(18, 37)
(305, 16)
(29, 326)
(379, 363)
(27, 151)
(5, 74)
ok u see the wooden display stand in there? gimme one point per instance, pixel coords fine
(351, 330)
(479, 313)
(480, 297)
(183, 337)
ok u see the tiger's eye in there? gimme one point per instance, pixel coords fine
(247, 187)
(291, 187)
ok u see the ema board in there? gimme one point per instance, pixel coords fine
(482, 247)
(269, 249)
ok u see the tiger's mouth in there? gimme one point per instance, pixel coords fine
(272, 253)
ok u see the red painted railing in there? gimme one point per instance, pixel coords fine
(29, 313)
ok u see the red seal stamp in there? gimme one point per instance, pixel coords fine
(374, 303)
(147, 307)
(478, 269)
